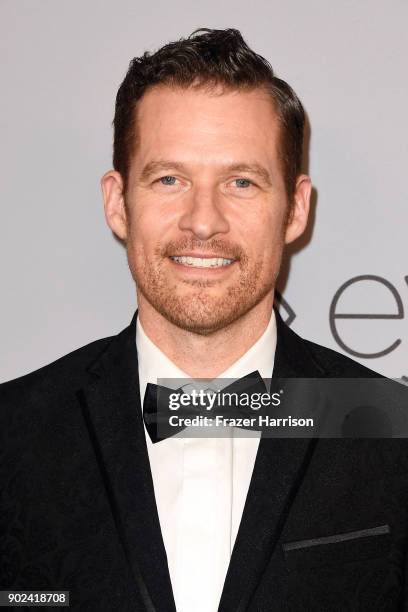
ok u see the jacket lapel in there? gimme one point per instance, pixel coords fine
(279, 469)
(111, 406)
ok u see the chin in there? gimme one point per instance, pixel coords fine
(202, 317)
(199, 308)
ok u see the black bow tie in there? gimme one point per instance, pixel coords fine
(156, 406)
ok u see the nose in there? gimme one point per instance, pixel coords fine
(203, 215)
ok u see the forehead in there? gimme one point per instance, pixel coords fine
(170, 118)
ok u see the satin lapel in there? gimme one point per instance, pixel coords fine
(111, 406)
(279, 469)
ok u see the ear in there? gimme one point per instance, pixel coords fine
(114, 203)
(297, 221)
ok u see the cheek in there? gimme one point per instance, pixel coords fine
(265, 235)
(143, 232)
(151, 223)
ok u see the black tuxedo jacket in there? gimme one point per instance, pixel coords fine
(324, 526)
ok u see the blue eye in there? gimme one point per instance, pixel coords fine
(168, 180)
(243, 183)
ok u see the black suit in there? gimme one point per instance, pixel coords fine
(78, 510)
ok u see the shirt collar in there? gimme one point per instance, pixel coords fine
(154, 364)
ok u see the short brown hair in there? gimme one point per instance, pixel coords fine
(208, 57)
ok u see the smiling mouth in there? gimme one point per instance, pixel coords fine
(201, 262)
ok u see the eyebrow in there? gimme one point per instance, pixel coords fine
(166, 165)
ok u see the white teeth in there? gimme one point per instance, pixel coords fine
(200, 262)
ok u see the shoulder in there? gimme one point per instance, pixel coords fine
(69, 371)
(329, 362)
(336, 364)
(310, 359)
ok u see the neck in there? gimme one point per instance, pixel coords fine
(206, 356)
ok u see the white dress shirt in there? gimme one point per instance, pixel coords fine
(201, 484)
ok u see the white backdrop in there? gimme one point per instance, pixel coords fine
(65, 280)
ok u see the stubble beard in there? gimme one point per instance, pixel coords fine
(196, 309)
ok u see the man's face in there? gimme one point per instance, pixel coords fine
(206, 205)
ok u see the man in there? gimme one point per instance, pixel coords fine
(206, 190)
